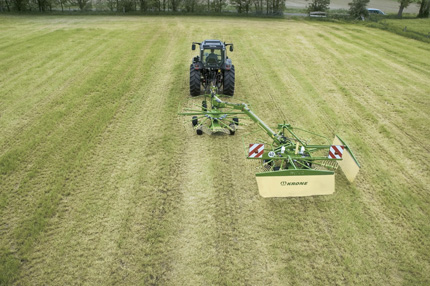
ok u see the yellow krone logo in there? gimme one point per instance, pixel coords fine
(285, 183)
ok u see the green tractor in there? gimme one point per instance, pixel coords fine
(212, 68)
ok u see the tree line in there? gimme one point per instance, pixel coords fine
(268, 7)
(272, 7)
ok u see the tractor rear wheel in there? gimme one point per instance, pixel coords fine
(229, 81)
(194, 81)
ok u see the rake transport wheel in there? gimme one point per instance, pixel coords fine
(233, 129)
(194, 81)
(195, 121)
(233, 125)
(229, 81)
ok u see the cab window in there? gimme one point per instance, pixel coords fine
(212, 56)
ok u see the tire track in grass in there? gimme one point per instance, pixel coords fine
(228, 257)
(226, 209)
(194, 249)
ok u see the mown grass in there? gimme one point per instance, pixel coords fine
(313, 81)
(101, 185)
(418, 29)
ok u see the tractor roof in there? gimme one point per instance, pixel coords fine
(215, 44)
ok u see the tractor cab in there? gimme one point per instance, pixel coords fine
(212, 53)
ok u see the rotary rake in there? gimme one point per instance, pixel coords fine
(210, 118)
(289, 166)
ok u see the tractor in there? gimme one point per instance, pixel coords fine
(212, 68)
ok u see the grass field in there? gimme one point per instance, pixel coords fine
(418, 29)
(101, 185)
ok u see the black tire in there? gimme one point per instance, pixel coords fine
(195, 121)
(199, 132)
(233, 129)
(233, 125)
(194, 81)
(229, 81)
